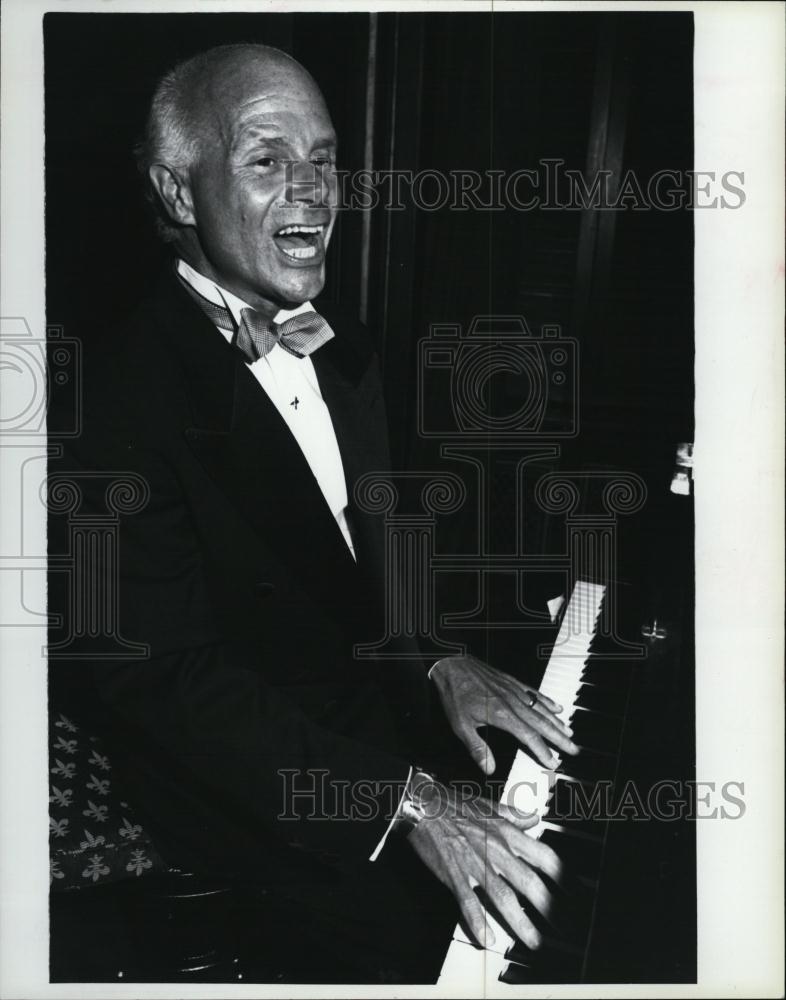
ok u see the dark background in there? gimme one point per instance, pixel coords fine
(462, 91)
(455, 91)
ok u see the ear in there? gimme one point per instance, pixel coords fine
(174, 192)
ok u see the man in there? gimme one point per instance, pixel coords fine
(250, 575)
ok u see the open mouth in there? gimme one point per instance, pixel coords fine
(300, 242)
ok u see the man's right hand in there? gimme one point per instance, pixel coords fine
(474, 843)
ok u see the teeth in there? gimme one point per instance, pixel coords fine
(291, 230)
(301, 253)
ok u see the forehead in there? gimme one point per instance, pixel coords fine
(255, 99)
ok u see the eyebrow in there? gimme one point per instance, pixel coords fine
(252, 134)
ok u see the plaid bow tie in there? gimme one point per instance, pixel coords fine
(256, 336)
(301, 335)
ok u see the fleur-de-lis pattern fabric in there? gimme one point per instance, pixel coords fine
(93, 835)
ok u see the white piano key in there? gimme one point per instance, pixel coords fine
(467, 967)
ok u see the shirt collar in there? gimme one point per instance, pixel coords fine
(221, 297)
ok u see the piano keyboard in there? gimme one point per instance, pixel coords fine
(590, 704)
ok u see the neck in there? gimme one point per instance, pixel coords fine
(264, 306)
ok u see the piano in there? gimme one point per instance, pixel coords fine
(573, 802)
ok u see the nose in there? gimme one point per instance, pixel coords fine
(308, 183)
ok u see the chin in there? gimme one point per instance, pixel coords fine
(293, 293)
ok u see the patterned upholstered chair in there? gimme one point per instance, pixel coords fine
(94, 836)
(117, 912)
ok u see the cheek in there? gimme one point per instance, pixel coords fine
(237, 211)
(254, 200)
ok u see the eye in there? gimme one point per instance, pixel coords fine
(322, 161)
(264, 161)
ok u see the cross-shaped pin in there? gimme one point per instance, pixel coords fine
(294, 402)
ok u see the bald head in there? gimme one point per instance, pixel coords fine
(188, 109)
(233, 75)
(240, 156)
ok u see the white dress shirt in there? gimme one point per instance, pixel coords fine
(292, 386)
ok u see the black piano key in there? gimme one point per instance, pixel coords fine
(581, 808)
(548, 965)
(550, 953)
(563, 953)
(571, 911)
(607, 699)
(517, 975)
(596, 731)
(589, 765)
(611, 650)
(568, 925)
(607, 673)
(580, 856)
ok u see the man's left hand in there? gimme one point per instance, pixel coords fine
(474, 694)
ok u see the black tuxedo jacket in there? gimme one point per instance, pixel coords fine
(236, 576)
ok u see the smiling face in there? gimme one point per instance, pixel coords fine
(261, 197)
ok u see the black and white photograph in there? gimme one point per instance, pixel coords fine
(392, 501)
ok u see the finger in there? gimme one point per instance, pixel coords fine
(540, 749)
(551, 729)
(550, 704)
(556, 730)
(519, 818)
(526, 693)
(542, 711)
(506, 902)
(534, 852)
(545, 713)
(526, 882)
(479, 750)
(558, 737)
(475, 917)
(529, 727)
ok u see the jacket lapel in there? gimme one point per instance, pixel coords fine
(353, 394)
(247, 449)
